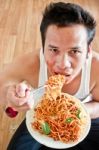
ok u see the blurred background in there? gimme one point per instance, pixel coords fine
(19, 33)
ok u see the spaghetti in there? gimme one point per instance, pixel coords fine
(54, 86)
(62, 118)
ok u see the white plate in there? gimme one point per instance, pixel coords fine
(47, 141)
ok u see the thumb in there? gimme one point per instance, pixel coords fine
(21, 89)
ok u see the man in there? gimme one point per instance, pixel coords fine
(67, 32)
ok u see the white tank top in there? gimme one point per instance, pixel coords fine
(84, 88)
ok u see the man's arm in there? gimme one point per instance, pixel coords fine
(93, 106)
(93, 109)
(21, 69)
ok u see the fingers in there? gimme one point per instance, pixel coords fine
(21, 89)
(18, 96)
(13, 98)
(24, 107)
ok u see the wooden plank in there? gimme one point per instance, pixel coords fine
(19, 33)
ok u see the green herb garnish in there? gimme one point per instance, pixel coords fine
(69, 120)
(46, 128)
(78, 113)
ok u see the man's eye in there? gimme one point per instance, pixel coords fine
(75, 52)
(53, 50)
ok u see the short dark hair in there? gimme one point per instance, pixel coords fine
(66, 14)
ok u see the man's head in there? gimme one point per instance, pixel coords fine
(65, 15)
(67, 31)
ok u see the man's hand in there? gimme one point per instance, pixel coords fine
(18, 96)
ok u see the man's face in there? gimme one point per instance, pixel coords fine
(65, 50)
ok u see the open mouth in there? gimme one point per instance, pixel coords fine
(67, 75)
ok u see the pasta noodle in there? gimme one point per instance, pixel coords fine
(62, 118)
(54, 86)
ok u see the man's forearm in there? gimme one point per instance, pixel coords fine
(93, 109)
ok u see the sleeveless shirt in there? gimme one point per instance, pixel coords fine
(83, 90)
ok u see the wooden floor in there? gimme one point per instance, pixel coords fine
(19, 33)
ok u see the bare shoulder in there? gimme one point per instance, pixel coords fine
(24, 67)
(28, 64)
(95, 75)
(95, 63)
(30, 57)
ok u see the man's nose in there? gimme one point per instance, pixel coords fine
(64, 62)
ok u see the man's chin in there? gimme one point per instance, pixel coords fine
(68, 79)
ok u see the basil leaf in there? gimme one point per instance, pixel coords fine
(78, 114)
(68, 120)
(46, 128)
